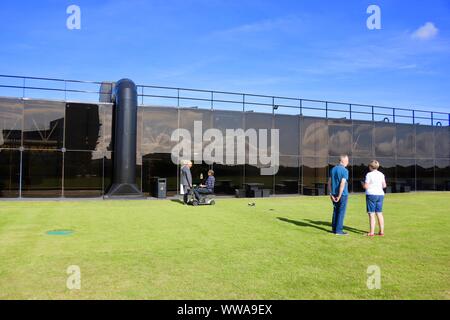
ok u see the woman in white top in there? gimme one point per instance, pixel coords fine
(374, 184)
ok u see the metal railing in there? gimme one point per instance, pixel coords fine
(64, 89)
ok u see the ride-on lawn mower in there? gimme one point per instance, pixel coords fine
(205, 199)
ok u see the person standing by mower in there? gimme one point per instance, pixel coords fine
(186, 179)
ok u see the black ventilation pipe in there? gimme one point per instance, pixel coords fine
(124, 135)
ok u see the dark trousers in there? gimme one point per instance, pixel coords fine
(187, 190)
(339, 210)
(199, 191)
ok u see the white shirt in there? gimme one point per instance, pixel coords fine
(375, 180)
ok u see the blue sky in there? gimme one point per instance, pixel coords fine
(310, 49)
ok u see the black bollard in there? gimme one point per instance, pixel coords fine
(124, 156)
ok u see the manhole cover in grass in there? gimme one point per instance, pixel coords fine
(59, 232)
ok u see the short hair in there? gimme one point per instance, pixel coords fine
(211, 172)
(342, 157)
(185, 162)
(374, 164)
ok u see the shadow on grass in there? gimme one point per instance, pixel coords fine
(179, 201)
(319, 225)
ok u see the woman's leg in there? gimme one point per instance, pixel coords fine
(380, 222)
(372, 223)
(379, 212)
(371, 214)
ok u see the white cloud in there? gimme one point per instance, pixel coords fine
(426, 32)
(286, 24)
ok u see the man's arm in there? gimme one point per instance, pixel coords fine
(329, 185)
(330, 191)
(365, 184)
(189, 175)
(183, 176)
(341, 189)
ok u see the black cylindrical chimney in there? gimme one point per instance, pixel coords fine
(124, 156)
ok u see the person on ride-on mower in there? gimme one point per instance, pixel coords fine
(207, 188)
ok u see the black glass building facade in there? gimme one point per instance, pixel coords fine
(63, 149)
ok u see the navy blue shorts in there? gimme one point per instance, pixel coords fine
(374, 204)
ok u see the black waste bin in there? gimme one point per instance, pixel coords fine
(159, 187)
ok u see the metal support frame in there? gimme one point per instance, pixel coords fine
(364, 110)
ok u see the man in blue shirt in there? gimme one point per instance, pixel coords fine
(208, 187)
(338, 186)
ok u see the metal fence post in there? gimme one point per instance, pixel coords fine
(212, 100)
(23, 87)
(273, 105)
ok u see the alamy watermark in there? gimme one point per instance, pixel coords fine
(374, 20)
(374, 277)
(74, 279)
(73, 21)
(229, 149)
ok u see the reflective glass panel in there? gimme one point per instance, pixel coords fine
(158, 125)
(314, 175)
(314, 137)
(229, 120)
(9, 173)
(406, 140)
(83, 174)
(11, 113)
(288, 178)
(363, 139)
(228, 178)
(388, 167)
(340, 137)
(442, 173)
(258, 121)
(42, 173)
(424, 141)
(425, 174)
(289, 132)
(385, 140)
(83, 126)
(43, 125)
(253, 176)
(359, 171)
(442, 142)
(197, 121)
(405, 175)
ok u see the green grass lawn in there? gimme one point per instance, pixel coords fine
(279, 249)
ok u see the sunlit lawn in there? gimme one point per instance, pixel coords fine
(279, 249)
